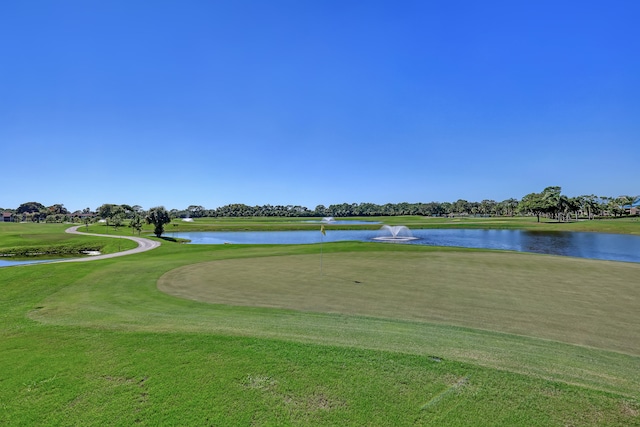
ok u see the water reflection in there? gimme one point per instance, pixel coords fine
(616, 247)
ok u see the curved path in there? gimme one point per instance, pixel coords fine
(143, 245)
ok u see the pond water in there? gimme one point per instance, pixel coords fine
(343, 222)
(615, 247)
(9, 262)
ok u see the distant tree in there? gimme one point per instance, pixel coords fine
(127, 211)
(320, 210)
(553, 201)
(509, 206)
(549, 202)
(461, 206)
(487, 207)
(158, 216)
(41, 215)
(136, 224)
(113, 215)
(195, 211)
(434, 208)
(117, 219)
(625, 203)
(30, 207)
(58, 209)
(56, 218)
(615, 205)
(447, 208)
(590, 204)
(106, 211)
(533, 203)
(571, 206)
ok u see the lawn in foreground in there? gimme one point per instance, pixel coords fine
(67, 376)
(97, 343)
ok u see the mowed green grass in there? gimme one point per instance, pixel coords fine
(563, 299)
(99, 343)
(124, 296)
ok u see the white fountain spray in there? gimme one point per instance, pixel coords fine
(396, 233)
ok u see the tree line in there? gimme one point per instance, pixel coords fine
(549, 203)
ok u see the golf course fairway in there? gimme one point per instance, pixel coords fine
(345, 334)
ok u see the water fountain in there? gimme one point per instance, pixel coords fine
(327, 219)
(395, 233)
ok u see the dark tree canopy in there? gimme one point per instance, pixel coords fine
(158, 216)
(30, 207)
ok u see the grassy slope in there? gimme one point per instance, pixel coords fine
(19, 238)
(108, 347)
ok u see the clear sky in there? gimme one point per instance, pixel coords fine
(309, 102)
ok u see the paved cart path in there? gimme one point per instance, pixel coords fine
(143, 245)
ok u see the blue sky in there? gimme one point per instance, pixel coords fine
(316, 102)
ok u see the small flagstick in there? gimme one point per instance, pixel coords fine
(321, 245)
(326, 220)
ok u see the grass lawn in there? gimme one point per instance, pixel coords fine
(542, 296)
(254, 335)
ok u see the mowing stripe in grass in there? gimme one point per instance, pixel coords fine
(564, 299)
(444, 393)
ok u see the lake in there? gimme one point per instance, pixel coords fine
(614, 247)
